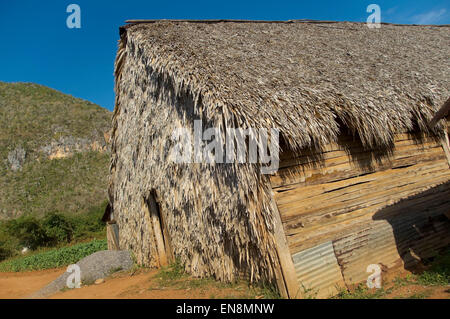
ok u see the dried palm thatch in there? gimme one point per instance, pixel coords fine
(307, 79)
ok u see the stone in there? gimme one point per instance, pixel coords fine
(99, 281)
(16, 158)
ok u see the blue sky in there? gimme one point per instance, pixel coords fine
(38, 47)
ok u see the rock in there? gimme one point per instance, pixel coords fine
(16, 158)
(96, 266)
(99, 281)
(66, 146)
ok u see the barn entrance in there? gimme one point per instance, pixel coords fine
(158, 229)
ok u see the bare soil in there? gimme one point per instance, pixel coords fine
(22, 284)
(144, 284)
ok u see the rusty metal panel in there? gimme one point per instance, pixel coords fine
(318, 271)
(374, 244)
(404, 239)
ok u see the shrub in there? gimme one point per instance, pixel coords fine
(53, 230)
(6, 249)
(8, 245)
(89, 225)
(53, 258)
(58, 229)
(28, 230)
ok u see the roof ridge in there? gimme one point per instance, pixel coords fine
(312, 21)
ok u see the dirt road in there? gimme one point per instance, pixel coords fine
(141, 286)
(145, 285)
(120, 285)
(22, 284)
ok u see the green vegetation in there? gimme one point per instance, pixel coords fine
(419, 295)
(439, 272)
(34, 114)
(174, 276)
(35, 118)
(53, 258)
(362, 292)
(73, 184)
(52, 230)
(169, 275)
(307, 293)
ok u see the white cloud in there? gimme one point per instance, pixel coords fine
(431, 17)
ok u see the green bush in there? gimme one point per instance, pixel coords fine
(55, 229)
(28, 230)
(90, 224)
(58, 229)
(8, 244)
(53, 258)
(7, 250)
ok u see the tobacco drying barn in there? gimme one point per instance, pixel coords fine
(363, 178)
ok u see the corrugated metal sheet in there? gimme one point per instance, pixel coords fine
(403, 239)
(317, 269)
(374, 244)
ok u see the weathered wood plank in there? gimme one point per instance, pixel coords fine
(302, 238)
(446, 147)
(290, 287)
(112, 236)
(359, 187)
(319, 200)
(333, 189)
(375, 198)
(345, 167)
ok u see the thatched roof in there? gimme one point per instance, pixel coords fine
(306, 78)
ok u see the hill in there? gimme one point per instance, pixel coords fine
(53, 151)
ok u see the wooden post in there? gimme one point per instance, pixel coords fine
(167, 243)
(446, 147)
(284, 255)
(441, 113)
(112, 235)
(159, 237)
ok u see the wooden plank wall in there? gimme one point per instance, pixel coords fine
(330, 195)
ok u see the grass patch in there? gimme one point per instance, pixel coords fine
(362, 292)
(406, 281)
(53, 258)
(308, 293)
(170, 275)
(439, 272)
(420, 295)
(265, 291)
(175, 277)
